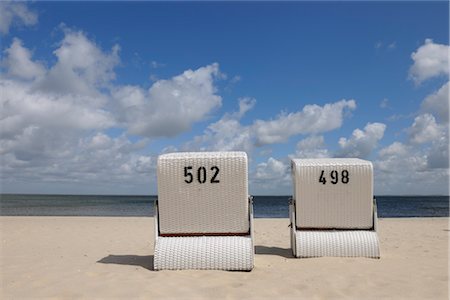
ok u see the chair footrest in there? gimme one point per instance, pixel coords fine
(348, 243)
(204, 252)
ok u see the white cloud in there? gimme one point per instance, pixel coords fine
(311, 119)
(424, 129)
(40, 129)
(30, 112)
(272, 169)
(52, 131)
(171, 106)
(98, 162)
(311, 147)
(427, 148)
(395, 149)
(23, 107)
(15, 13)
(19, 64)
(245, 104)
(431, 139)
(438, 157)
(405, 169)
(394, 158)
(54, 119)
(229, 134)
(82, 67)
(438, 103)
(226, 134)
(272, 176)
(362, 142)
(421, 166)
(430, 60)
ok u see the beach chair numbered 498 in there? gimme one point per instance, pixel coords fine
(333, 212)
(203, 216)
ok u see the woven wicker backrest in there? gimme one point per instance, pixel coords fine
(203, 192)
(333, 193)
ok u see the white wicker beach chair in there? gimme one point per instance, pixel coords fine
(333, 211)
(203, 216)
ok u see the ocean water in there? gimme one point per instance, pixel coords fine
(264, 206)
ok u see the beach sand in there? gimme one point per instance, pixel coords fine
(112, 257)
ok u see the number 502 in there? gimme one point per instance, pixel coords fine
(201, 174)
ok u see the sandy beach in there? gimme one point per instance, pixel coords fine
(112, 257)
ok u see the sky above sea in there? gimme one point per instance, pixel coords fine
(93, 92)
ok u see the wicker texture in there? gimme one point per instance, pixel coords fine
(349, 243)
(203, 207)
(339, 205)
(204, 252)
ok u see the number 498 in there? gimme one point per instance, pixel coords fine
(335, 177)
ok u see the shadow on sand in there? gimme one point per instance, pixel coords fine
(287, 253)
(145, 262)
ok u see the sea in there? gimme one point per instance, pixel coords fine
(143, 206)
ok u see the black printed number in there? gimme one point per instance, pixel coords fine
(188, 174)
(334, 175)
(344, 176)
(216, 172)
(322, 178)
(202, 175)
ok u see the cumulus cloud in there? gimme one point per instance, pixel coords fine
(170, 106)
(430, 60)
(54, 119)
(431, 139)
(311, 119)
(30, 112)
(15, 13)
(419, 166)
(39, 130)
(437, 103)
(395, 149)
(23, 107)
(98, 158)
(272, 175)
(405, 169)
(438, 157)
(362, 142)
(19, 64)
(424, 129)
(229, 134)
(81, 68)
(311, 147)
(245, 104)
(272, 169)
(226, 134)
(52, 130)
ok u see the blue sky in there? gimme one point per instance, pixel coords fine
(94, 92)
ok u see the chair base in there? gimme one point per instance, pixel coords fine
(231, 253)
(340, 243)
(348, 243)
(204, 253)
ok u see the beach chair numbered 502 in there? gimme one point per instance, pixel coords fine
(333, 211)
(203, 215)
